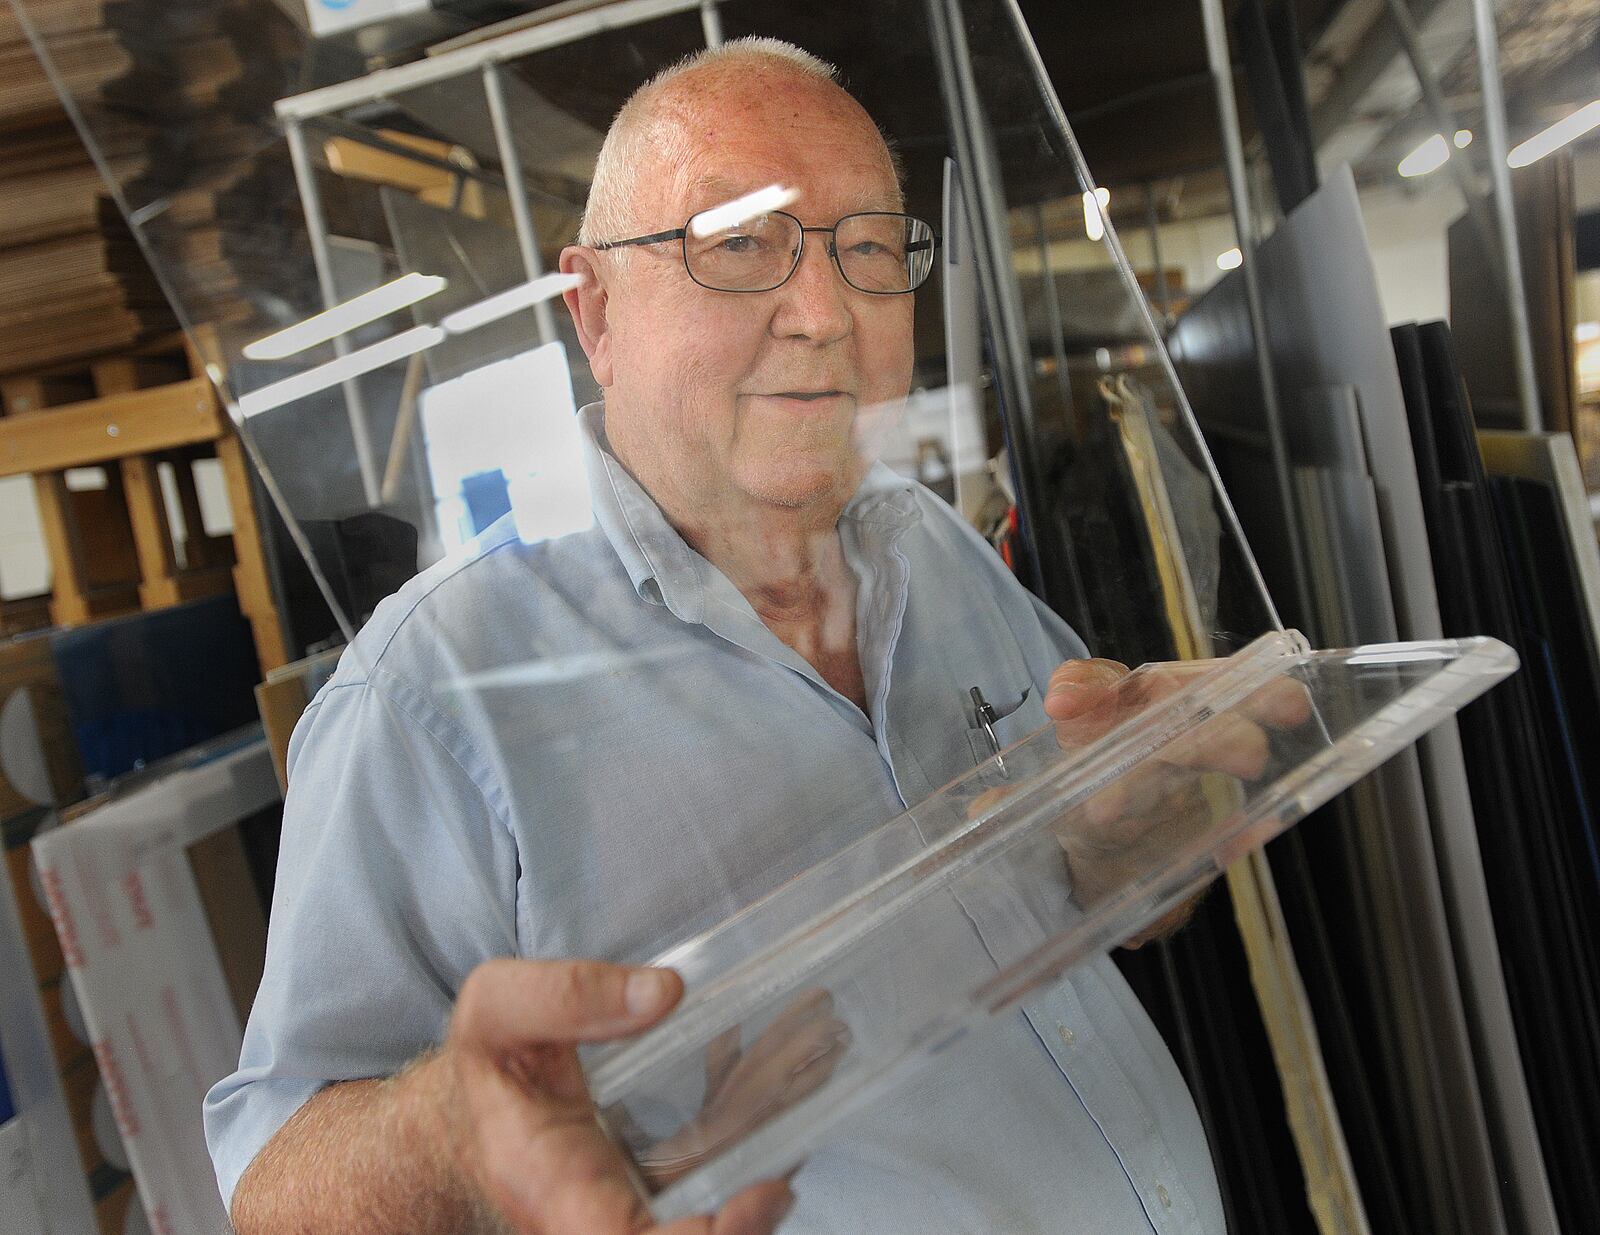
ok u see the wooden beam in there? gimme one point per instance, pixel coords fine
(141, 487)
(30, 394)
(100, 430)
(152, 535)
(432, 184)
(350, 158)
(250, 578)
(69, 606)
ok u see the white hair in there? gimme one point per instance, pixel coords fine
(632, 141)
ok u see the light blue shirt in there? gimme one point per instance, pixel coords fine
(593, 747)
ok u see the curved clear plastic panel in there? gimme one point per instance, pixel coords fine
(370, 228)
(835, 988)
(325, 193)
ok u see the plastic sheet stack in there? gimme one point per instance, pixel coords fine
(1510, 561)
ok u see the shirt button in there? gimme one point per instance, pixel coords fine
(1166, 1197)
(1067, 1036)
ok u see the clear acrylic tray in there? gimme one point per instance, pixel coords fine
(822, 997)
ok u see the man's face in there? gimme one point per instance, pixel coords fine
(716, 399)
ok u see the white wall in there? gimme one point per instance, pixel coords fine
(1407, 229)
(24, 565)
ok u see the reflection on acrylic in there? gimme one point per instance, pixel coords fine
(504, 438)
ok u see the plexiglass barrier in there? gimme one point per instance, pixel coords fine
(361, 225)
(389, 217)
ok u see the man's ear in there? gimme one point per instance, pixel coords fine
(587, 304)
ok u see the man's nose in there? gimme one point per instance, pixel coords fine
(814, 303)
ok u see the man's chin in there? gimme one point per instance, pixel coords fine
(798, 490)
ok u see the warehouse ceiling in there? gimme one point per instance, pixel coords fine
(1133, 79)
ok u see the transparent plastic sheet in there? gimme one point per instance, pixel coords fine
(581, 739)
(835, 984)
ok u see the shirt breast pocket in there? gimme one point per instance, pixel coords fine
(1016, 714)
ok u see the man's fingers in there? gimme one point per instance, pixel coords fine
(546, 1165)
(756, 1211)
(1080, 686)
(1228, 742)
(722, 1056)
(806, 1006)
(1283, 704)
(507, 1004)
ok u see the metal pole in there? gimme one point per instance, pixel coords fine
(393, 82)
(521, 215)
(711, 23)
(1439, 112)
(1494, 117)
(1216, 32)
(1052, 308)
(981, 186)
(1153, 223)
(317, 225)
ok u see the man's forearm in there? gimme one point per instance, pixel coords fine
(363, 1158)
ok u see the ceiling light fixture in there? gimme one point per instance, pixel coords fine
(1568, 129)
(1095, 206)
(1231, 259)
(743, 209)
(364, 360)
(358, 311)
(504, 304)
(1428, 157)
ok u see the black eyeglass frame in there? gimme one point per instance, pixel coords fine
(681, 234)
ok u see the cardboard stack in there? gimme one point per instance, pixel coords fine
(72, 281)
(177, 100)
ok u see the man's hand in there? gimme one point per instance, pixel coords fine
(524, 1131)
(745, 1088)
(1154, 809)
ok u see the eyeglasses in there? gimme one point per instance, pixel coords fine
(877, 251)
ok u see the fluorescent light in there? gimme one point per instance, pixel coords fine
(343, 318)
(1232, 259)
(1567, 129)
(742, 209)
(1428, 157)
(1095, 206)
(504, 304)
(1587, 332)
(365, 360)
(1463, 138)
(1394, 654)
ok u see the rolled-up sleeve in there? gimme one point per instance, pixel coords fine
(396, 876)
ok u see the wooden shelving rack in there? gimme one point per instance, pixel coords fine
(112, 548)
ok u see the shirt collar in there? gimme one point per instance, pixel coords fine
(663, 568)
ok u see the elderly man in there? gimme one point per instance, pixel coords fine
(799, 635)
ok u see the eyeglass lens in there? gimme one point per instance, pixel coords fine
(878, 252)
